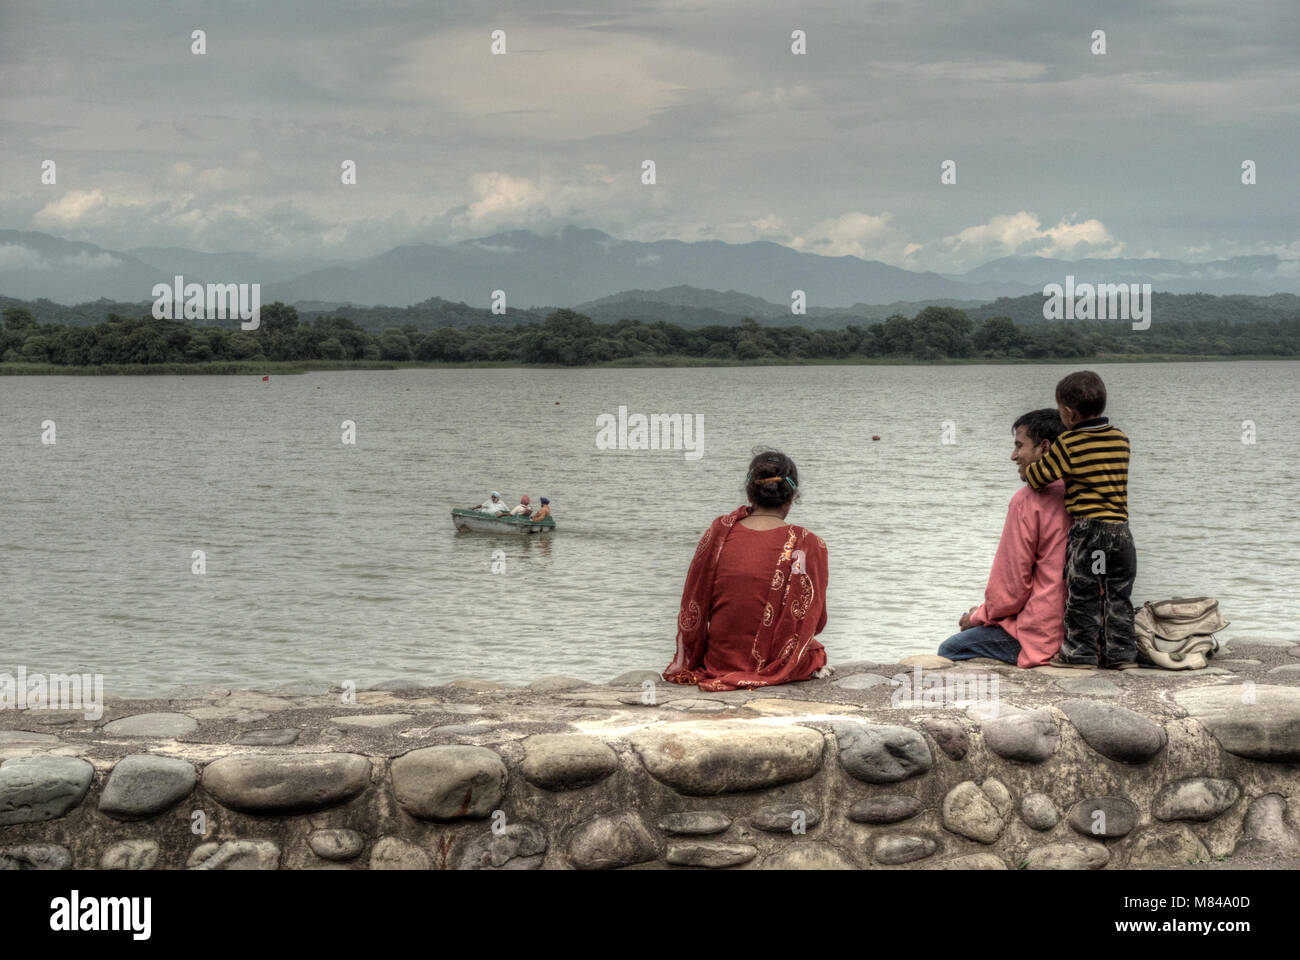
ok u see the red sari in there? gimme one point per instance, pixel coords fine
(753, 601)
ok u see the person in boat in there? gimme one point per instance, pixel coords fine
(755, 593)
(544, 512)
(523, 510)
(495, 505)
(1022, 618)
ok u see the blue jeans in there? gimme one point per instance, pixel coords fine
(991, 642)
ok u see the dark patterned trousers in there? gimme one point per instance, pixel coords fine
(1100, 564)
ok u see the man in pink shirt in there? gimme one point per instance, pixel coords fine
(1022, 618)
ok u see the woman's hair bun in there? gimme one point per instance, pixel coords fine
(766, 465)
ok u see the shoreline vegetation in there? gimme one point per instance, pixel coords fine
(293, 368)
(284, 344)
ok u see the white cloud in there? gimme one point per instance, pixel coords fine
(499, 193)
(1285, 251)
(74, 208)
(501, 200)
(84, 260)
(14, 256)
(856, 234)
(1022, 233)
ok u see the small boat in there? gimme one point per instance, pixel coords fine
(477, 521)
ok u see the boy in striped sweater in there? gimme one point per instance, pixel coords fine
(1101, 561)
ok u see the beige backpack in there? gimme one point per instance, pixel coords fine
(1178, 634)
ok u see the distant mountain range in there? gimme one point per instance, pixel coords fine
(598, 272)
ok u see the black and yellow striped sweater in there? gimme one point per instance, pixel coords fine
(1092, 457)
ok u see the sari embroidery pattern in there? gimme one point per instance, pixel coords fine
(689, 618)
(800, 607)
(789, 545)
(776, 585)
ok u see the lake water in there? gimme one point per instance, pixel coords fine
(328, 562)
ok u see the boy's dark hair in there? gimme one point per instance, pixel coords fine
(1040, 425)
(770, 463)
(1084, 391)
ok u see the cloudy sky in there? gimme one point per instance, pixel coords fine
(1059, 151)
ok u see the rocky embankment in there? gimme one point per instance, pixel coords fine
(881, 766)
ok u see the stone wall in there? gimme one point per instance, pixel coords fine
(878, 767)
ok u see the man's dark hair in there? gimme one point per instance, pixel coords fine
(1040, 425)
(771, 463)
(1084, 391)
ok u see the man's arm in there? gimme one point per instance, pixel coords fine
(1013, 566)
(1054, 464)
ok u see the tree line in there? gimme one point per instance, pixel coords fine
(568, 338)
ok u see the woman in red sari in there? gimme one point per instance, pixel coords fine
(755, 593)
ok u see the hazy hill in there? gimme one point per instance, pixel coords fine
(677, 306)
(34, 265)
(689, 283)
(1258, 275)
(1237, 308)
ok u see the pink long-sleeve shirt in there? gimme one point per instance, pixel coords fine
(1026, 591)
